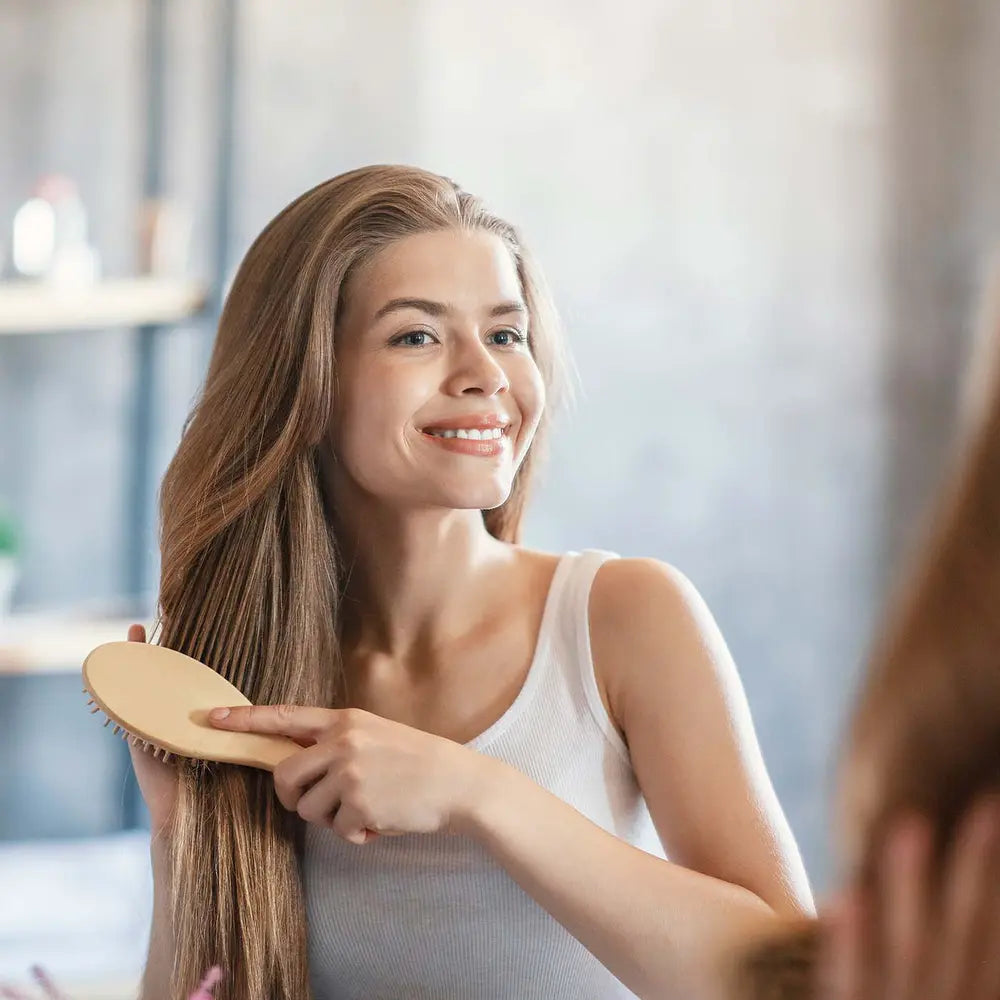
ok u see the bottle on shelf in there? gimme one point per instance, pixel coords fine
(49, 239)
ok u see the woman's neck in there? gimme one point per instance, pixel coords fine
(413, 587)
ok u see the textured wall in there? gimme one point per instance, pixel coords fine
(761, 223)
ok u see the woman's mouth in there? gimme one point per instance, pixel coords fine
(471, 434)
(485, 442)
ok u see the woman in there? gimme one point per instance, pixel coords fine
(920, 781)
(340, 537)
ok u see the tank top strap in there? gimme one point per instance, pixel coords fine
(562, 654)
(571, 639)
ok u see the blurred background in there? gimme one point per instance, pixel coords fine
(765, 225)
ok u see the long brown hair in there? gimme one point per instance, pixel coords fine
(925, 732)
(250, 573)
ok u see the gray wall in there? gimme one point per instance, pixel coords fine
(761, 222)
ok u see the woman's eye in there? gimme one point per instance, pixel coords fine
(510, 338)
(412, 339)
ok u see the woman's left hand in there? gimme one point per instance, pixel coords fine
(360, 774)
(910, 940)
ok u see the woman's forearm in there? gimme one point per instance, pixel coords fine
(663, 930)
(160, 960)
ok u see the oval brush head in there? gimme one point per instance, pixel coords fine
(162, 698)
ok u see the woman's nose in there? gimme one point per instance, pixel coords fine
(476, 371)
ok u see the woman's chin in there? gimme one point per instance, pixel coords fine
(480, 499)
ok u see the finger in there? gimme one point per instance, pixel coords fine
(828, 961)
(301, 723)
(298, 772)
(349, 824)
(319, 804)
(965, 904)
(136, 633)
(903, 896)
(841, 975)
(988, 984)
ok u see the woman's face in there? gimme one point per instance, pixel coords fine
(438, 395)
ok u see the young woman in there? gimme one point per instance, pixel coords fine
(501, 747)
(920, 783)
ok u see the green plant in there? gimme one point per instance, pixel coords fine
(8, 534)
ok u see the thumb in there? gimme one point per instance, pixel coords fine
(136, 633)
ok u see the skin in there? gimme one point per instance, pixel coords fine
(906, 940)
(430, 664)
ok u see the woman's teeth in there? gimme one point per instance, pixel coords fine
(490, 434)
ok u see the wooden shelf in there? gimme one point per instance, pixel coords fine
(35, 307)
(49, 643)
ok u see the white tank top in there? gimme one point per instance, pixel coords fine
(434, 917)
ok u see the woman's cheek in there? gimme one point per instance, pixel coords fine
(530, 398)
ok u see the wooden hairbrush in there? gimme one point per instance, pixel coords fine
(160, 699)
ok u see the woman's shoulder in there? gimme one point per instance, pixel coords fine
(628, 586)
(641, 610)
(626, 590)
(622, 586)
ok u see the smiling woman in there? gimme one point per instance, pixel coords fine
(432, 337)
(500, 747)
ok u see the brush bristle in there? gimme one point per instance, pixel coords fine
(159, 753)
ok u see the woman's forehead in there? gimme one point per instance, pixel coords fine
(469, 271)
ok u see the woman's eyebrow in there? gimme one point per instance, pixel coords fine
(438, 309)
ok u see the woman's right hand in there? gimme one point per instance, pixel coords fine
(157, 780)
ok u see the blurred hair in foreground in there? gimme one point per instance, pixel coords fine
(924, 735)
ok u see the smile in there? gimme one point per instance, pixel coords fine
(472, 434)
(487, 443)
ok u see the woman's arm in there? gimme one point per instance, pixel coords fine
(665, 928)
(160, 960)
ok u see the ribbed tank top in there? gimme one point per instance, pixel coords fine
(428, 916)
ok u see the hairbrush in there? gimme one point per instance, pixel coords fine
(160, 699)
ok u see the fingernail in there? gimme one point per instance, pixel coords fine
(218, 713)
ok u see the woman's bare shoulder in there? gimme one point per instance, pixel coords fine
(632, 602)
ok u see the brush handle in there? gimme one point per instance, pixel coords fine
(268, 751)
(265, 751)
